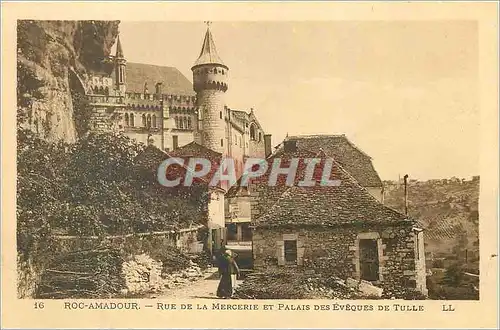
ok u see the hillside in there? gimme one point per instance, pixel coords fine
(447, 209)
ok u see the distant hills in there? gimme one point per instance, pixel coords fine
(447, 209)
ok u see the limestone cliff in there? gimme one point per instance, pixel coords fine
(54, 59)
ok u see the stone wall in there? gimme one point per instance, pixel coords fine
(335, 252)
(211, 103)
(29, 271)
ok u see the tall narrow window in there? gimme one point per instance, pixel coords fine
(148, 123)
(154, 121)
(144, 120)
(189, 122)
(176, 122)
(252, 132)
(175, 141)
(185, 123)
(220, 114)
(221, 142)
(127, 123)
(181, 123)
(132, 120)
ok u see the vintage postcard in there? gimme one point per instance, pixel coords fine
(312, 165)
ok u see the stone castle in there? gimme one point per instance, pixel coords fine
(159, 106)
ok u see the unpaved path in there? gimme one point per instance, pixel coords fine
(205, 288)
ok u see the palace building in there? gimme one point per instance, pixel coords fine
(158, 105)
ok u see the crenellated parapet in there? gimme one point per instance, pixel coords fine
(210, 77)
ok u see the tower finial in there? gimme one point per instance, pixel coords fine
(208, 23)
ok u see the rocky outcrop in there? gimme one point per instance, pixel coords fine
(54, 58)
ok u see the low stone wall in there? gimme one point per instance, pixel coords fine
(149, 244)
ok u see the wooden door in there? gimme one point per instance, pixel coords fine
(368, 260)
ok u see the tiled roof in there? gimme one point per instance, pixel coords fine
(195, 150)
(173, 81)
(348, 203)
(352, 159)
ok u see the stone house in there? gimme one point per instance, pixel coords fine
(340, 230)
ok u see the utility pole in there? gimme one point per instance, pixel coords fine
(405, 178)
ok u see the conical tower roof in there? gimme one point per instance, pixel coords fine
(208, 54)
(119, 50)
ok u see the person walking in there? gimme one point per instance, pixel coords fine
(228, 271)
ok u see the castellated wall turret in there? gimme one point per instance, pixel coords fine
(210, 85)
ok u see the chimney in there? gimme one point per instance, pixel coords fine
(405, 178)
(267, 144)
(158, 88)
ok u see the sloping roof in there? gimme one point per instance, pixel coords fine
(195, 150)
(348, 203)
(208, 53)
(351, 158)
(242, 115)
(173, 81)
(285, 158)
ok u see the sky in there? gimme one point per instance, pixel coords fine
(406, 93)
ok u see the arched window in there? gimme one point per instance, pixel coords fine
(176, 122)
(189, 122)
(101, 90)
(185, 123)
(127, 123)
(181, 123)
(154, 120)
(106, 91)
(132, 120)
(144, 120)
(96, 90)
(252, 132)
(260, 136)
(148, 121)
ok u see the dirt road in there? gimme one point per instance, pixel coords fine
(202, 289)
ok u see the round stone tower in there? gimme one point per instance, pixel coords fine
(210, 77)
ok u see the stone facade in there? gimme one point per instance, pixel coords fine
(336, 252)
(159, 106)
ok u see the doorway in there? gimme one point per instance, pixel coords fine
(368, 260)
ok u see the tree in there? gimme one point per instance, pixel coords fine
(454, 275)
